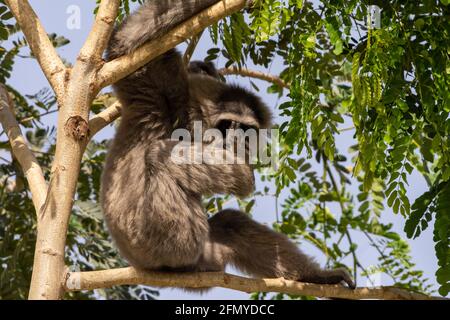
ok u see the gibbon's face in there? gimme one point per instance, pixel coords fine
(228, 124)
(240, 136)
(239, 128)
(233, 110)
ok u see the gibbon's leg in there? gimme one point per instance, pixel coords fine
(154, 222)
(203, 177)
(259, 251)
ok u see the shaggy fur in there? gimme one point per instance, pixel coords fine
(152, 205)
(203, 67)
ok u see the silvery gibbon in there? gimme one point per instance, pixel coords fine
(151, 204)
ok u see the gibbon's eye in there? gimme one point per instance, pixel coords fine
(223, 125)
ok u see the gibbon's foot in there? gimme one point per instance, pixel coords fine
(335, 276)
(347, 278)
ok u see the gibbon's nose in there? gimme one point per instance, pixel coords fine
(235, 125)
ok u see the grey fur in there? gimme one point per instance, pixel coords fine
(203, 67)
(152, 206)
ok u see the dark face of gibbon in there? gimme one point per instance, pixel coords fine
(233, 107)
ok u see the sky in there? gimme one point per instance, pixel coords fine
(73, 19)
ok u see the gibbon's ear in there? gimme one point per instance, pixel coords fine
(240, 101)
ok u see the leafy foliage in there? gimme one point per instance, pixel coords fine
(390, 84)
(124, 8)
(437, 201)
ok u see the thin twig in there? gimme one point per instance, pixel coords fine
(191, 48)
(37, 116)
(254, 74)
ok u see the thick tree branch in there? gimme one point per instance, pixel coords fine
(26, 158)
(40, 44)
(129, 276)
(119, 68)
(72, 134)
(255, 74)
(101, 31)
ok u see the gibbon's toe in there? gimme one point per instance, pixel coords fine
(347, 278)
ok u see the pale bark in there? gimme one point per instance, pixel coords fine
(118, 68)
(129, 276)
(101, 120)
(40, 45)
(49, 268)
(100, 33)
(23, 154)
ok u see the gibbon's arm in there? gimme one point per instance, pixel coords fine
(150, 21)
(205, 174)
(158, 92)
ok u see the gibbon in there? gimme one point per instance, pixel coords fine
(151, 204)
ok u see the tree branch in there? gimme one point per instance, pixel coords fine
(119, 68)
(101, 31)
(26, 158)
(101, 120)
(27, 119)
(72, 134)
(129, 276)
(191, 48)
(41, 46)
(255, 74)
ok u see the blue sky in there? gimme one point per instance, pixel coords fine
(28, 79)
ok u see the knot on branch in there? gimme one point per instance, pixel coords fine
(108, 20)
(51, 252)
(77, 127)
(57, 70)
